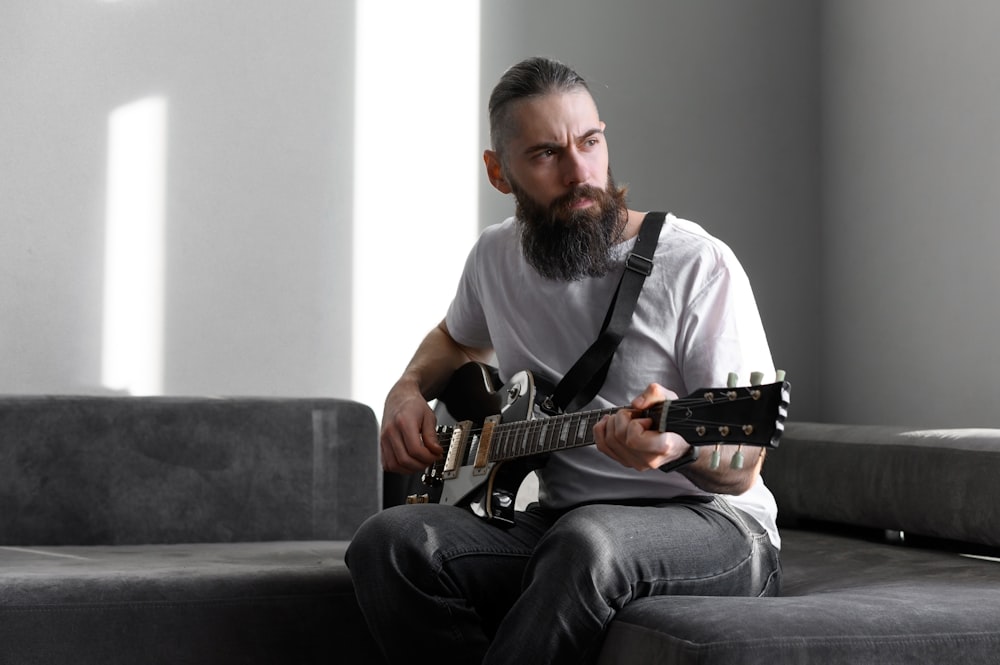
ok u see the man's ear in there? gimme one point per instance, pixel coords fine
(494, 171)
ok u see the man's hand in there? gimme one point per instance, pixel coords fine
(408, 439)
(630, 441)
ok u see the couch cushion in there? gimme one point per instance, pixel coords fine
(288, 602)
(844, 600)
(939, 483)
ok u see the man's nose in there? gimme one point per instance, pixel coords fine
(574, 167)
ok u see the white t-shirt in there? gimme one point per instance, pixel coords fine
(695, 322)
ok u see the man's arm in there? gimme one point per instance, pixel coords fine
(408, 438)
(724, 479)
(633, 443)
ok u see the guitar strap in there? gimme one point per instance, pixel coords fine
(585, 378)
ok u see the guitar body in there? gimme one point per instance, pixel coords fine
(473, 399)
(493, 435)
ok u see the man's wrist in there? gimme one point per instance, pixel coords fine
(687, 458)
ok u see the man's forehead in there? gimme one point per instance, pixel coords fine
(551, 116)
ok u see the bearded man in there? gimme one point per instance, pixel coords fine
(607, 528)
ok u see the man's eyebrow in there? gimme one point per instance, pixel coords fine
(551, 145)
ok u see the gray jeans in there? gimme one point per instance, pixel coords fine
(438, 584)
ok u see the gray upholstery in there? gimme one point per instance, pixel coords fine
(195, 530)
(849, 595)
(205, 531)
(940, 483)
(115, 470)
(226, 603)
(845, 599)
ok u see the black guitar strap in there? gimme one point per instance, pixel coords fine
(585, 378)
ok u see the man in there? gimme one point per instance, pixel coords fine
(436, 582)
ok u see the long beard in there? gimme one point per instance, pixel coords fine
(566, 244)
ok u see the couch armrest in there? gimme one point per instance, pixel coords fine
(939, 483)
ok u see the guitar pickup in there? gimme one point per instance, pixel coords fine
(483, 452)
(456, 449)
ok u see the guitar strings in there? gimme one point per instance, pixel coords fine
(536, 425)
(689, 403)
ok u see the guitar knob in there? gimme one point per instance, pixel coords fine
(733, 381)
(756, 378)
(780, 375)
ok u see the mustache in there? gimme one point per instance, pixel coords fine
(565, 202)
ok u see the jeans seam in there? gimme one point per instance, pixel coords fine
(757, 543)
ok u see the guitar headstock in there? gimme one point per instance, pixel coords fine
(751, 415)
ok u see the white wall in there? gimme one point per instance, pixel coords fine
(257, 178)
(848, 150)
(911, 190)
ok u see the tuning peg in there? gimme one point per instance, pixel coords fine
(716, 457)
(737, 460)
(780, 375)
(756, 378)
(734, 380)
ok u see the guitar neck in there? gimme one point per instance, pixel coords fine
(544, 435)
(750, 415)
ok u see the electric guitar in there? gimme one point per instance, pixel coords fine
(494, 435)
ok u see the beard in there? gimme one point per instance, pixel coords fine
(565, 244)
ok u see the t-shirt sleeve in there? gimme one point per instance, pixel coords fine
(723, 331)
(466, 317)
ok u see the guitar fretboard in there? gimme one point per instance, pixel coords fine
(544, 435)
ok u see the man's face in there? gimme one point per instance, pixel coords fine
(558, 145)
(569, 211)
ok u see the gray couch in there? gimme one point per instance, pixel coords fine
(195, 531)
(890, 538)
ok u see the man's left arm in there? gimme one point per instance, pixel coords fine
(633, 443)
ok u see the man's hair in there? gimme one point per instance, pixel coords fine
(529, 78)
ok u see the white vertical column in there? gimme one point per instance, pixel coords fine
(417, 169)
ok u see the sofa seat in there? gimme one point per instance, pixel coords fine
(877, 524)
(846, 598)
(183, 530)
(264, 602)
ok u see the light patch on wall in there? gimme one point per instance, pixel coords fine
(416, 177)
(134, 246)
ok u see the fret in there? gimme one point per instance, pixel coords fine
(554, 443)
(525, 439)
(564, 431)
(543, 434)
(501, 443)
(529, 437)
(583, 428)
(556, 429)
(541, 445)
(510, 438)
(565, 428)
(513, 435)
(506, 441)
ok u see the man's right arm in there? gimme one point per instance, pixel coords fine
(408, 439)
